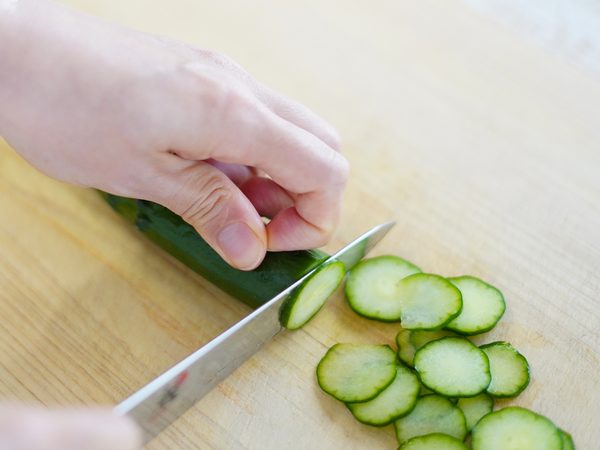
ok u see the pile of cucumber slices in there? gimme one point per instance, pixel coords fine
(438, 386)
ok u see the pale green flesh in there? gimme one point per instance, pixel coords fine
(428, 302)
(515, 428)
(435, 441)
(475, 408)
(432, 414)
(453, 367)
(509, 369)
(356, 373)
(397, 400)
(483, 306)
(313, 294)
(372, 287)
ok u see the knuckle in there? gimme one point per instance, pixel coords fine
(229, 102)
(212, 201)
(335, 139)
(324, 238)
(340, 172)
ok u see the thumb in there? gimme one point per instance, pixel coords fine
(209, 201)
(34, 428)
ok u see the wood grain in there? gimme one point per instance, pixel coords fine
(485, 149)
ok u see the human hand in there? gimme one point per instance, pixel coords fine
(99, 105)
(34, 428)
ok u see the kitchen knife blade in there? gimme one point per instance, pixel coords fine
(163, 400)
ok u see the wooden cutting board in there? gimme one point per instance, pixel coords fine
(484, 149)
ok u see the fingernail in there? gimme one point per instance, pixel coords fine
(241, 245)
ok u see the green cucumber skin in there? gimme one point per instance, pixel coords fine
(278, 271)
(484, 329)
(524, 386)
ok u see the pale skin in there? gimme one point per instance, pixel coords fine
(96, 104)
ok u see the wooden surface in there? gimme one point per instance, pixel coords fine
(485, 149)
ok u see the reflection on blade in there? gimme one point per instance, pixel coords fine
(162, 401)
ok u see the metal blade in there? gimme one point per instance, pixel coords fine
(162, 401)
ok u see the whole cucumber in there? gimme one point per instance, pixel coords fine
(169, 231)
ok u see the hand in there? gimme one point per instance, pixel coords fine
(96, 104)
(27, 428)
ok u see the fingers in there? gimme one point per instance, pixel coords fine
(235, 172)
(208, 200)
(299, 115)
(242, 130)
(40, 429)
(267, 196)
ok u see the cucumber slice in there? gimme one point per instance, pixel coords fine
(427, 391)
(406, 351)
(515, 428)
(419, 338)
(434, 441)
(432, 414)
(409, 342)
(567, 440)
(356, 373)
(483, 306)
(475, 408)
(453, 367)
(510, 370)
(428, 302)
(396, 401)
(372, 287)
(308, 298)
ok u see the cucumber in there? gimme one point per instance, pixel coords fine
(475, 408)
(429, 302)
(483, 306)
(426, 391)
(453, 367)
(567, 440)
(356, 373)
(397, 400)
(516, 428)
(308, 298)
(278, 271)
(372, 287)
(432, 414)
(433, 441)
(409, 342)
(509, 369)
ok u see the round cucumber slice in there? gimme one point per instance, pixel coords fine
(308, 298)
(409, 342)
(356, 373)
(432, 414)
(483, 306)
(428, 302)
(453, 367)
(372, 287)
(475, 408)
(434, 441)
(510, 370)
(397, 400)
(515, 428)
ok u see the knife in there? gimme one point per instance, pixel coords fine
(158, 404)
